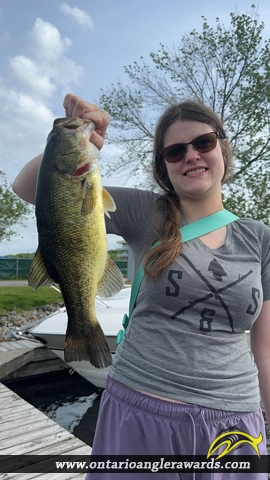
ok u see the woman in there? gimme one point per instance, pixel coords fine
(184, 374)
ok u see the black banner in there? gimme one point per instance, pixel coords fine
(129, 463)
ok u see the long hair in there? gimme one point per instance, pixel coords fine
(158, 259)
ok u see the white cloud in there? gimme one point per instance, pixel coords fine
(16, 105)
(49, 66)
(66, 72)
(82, 17)
(24, 125)
(31, 76)
(47, 41)
(50, 50)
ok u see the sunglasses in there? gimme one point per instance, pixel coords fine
(203, 144)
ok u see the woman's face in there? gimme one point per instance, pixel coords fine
(197, 175)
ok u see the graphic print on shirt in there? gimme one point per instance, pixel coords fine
(207, 314)
(217, 270)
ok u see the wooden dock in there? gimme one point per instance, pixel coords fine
(27, 431)
(26, 357)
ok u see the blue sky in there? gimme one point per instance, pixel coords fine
(51, 47)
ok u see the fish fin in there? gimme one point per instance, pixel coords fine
(87, 203)
(38, 274)
(108, 202)
(112, 280)
(92, 347)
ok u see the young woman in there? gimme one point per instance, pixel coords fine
(184, 374)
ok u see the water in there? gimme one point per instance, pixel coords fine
(69, 400)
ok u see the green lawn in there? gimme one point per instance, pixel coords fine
(24, 298)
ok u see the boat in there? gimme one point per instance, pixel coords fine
(51, 331)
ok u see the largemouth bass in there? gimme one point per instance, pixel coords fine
(72, 250)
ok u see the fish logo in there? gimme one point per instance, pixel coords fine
(232, 440)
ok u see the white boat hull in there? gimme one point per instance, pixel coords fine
(96, 376)
(52, 331)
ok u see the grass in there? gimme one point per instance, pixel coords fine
(20, 299)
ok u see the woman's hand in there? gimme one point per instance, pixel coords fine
(24, 184)
(77, 107)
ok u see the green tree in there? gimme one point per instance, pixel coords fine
(226, 68)
(114, 254)
(12, 209)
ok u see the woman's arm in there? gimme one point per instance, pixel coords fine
(24, 184)
(260, 347)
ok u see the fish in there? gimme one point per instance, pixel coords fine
(72, 243)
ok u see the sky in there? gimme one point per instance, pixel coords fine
(50, 48)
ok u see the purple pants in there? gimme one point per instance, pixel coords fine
(131, 423)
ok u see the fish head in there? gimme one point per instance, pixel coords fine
(69, 147)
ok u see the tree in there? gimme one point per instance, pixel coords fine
(228, 69)
(12, 209)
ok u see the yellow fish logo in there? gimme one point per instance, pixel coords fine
(232, 440)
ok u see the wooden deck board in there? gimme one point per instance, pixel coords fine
(21, 428)
(24, 421)
(16, 354)
(12, 360)
(44, 430)
(27, 357)
(24, 430)
(22, 344)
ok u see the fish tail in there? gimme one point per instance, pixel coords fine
(92, 347)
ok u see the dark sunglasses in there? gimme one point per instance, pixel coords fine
(203, 144)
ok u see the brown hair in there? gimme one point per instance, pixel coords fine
(158, 259)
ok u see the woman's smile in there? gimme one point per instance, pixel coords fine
(193, 172)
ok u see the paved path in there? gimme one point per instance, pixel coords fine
(13, 283)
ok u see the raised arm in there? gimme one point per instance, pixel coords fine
(24, 184)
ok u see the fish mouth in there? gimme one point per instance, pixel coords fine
(68, 124)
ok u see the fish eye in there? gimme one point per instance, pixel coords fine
(55, 137)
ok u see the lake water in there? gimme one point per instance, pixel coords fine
(69, 400)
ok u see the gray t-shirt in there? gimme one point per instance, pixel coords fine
(186, 338)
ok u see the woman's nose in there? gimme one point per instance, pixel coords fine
(191, 155)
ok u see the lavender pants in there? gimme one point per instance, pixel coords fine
(131, 423)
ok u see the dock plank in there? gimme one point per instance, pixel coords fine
(16, 412)
(27, 431)
(14, 359)
(56, 444)
(27, 357)
(15, 354)
(21, 428)
(26, 421)
(44, 430)
(22, 344)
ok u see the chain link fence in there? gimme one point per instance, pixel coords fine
(17, 268)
